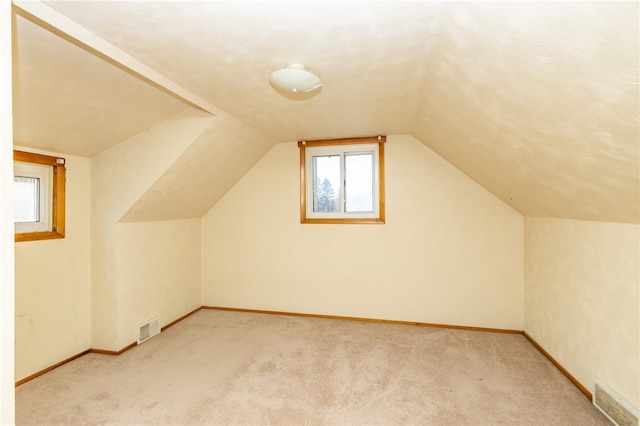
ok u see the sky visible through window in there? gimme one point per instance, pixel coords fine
(359, 177)
(25, 199)
(359, 183)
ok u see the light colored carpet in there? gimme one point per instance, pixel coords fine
(218, 367)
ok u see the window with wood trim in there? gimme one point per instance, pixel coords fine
(342, 180)
(38, 196)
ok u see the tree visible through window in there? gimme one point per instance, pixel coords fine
(325, 197)
(342, 181)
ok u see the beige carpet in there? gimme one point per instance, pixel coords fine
(218, 367)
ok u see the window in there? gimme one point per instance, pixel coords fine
(38, 196)
(342, 180)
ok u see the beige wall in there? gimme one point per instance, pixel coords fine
(158, 272)
(53, 283)
(149, 268)
(449, 253)
(581, 298)
(120, 176)
(7, 396)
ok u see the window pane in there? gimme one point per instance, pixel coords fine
(326, 183)
(26, 197)
(358, 169)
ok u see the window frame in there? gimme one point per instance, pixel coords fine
(44, 176)
(57, 196)
(378, 170)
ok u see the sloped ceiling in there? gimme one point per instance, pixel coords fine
(241, 147)
(538, 102)
(70, 101)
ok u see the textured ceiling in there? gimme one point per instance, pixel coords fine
(68, 100)
(538, 102)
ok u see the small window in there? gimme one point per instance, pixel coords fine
(32, 185)
(38, 196)
(342, 180)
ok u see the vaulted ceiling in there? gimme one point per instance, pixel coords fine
(538, 102)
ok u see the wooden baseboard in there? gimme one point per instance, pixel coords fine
(107, 352)
(563, 370)
(172, 323)
(46, 370)
(98, 351)
(383, 321)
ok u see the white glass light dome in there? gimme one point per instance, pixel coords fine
(295, 78)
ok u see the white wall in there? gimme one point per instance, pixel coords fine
(53, 282)
(7, 395)
(581, 298)
(450, 251)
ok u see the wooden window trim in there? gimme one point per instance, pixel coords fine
(381, 140)
(58, 195)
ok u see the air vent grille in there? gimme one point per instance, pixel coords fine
(612, 405)
(147, 330)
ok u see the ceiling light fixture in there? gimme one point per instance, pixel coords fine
(294, 78)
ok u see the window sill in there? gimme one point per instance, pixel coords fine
(343, 221)
(34, 236)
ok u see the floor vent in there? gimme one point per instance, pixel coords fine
(612, 405)
(147, 330)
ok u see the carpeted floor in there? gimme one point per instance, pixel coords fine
(219, 367)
